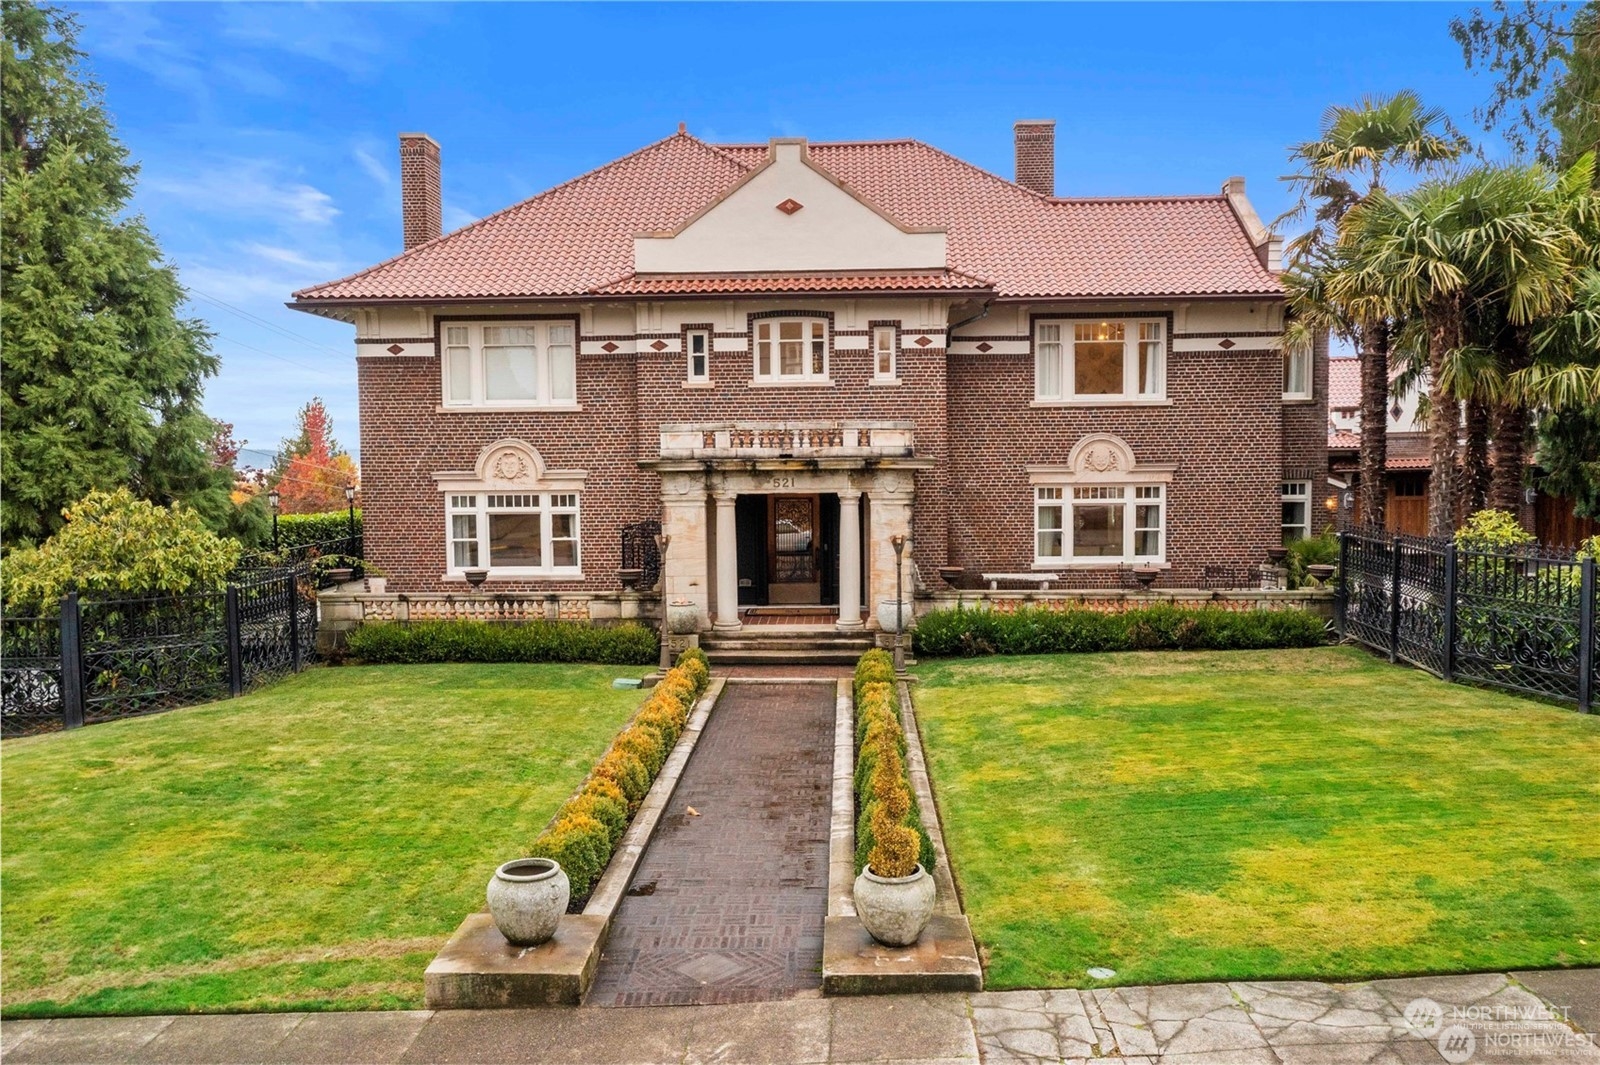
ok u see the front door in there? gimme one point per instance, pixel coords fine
(793, 550)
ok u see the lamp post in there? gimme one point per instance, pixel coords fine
(350, 503)
(899, 543)
(273, 498)
(662, 540)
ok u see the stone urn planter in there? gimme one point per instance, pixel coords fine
(527, 898)
(887, 616)
(683, 617)
(894, 909)
(1321, 574)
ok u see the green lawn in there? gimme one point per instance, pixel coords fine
(308, 846)
(1223, 815)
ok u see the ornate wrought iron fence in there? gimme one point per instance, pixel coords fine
(641, 553)
(1521, 619)
(98, 660)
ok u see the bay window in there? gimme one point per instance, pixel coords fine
(514, 533)
(1095, 523)
(1100, 360)
(510, 364)
(791, 349)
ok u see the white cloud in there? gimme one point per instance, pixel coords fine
(455, 217)
(290, 257)
(375, 169)
(250, 188)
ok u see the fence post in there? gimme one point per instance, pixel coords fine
(1341, 595)
(1450, 611)
(1394, 605)
(1586, 662)
(71, 662)
(235, 653)
(294, 623)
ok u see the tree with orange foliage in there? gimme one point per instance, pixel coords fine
(312, 469)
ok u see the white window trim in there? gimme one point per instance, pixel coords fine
(893, 334)
(806, 376)
(1302, 495)
(478, 373)
(689, 376)
(1130, 503)
(543, 506)
(1291, 356)
(1131, 356)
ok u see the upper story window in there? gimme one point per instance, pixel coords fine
(510, 364)
(1103, 360)
(697, 345)
(791, 349)
(1296, 510)
(514, 533)
(1296, 374)
(883, 352)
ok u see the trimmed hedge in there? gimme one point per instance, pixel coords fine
(589, 825)
(1034, 630)
(405, 643)
(295, 530)
(889, 832)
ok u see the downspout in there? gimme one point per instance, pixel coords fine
(950, 330)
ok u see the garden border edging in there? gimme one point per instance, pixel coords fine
(478, 969)
(945, 957)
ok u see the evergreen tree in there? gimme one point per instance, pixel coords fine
(102, 377)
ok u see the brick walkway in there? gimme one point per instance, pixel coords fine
(728, 906)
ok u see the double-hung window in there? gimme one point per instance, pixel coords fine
(1296, 374)
(1087, 524)
(1100, 360)
(697, 346)
(791, 349)
(514, 534)
(883, 352)
(1296, 510)
(510, 364)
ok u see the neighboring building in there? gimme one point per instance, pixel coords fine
(1408, 457)
(790, 354)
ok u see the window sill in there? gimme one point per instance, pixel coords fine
(817, 382)
(503, 408)
(1299, 400)
(1108, 564)
(503, 575)
(699, 384)
(1111, 401)
(885, 381)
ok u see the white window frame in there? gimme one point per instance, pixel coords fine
(555, 364)
(770, 347)
(1065, 496)
(704, 355)
(1295, 492)
(885, 343)
(480, 504)
(1055, 341)
(1296, 364)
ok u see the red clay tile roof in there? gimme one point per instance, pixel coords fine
(1344, 383)
(1344, 442)
(912, 281)
(577, 238)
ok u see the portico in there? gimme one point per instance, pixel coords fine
(867, 468)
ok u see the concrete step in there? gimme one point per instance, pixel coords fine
(859, 645)
(782, 658)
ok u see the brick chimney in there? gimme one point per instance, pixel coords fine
(1036, 155)
(420, 208)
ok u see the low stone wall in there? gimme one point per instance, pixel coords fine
(353, 605)
(1317, 600)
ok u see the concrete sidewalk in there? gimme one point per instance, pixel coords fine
(1515, 1018)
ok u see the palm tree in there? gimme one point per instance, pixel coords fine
(1341, 168)
(1494, 240)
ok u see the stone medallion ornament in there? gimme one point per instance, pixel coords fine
(1101, 460)
(508, 466)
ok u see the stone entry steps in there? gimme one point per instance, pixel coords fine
(772, 647)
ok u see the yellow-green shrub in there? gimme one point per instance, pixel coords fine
(644, 744)
(582, 845)
(628, 772)
(887, 816)
(610, 808)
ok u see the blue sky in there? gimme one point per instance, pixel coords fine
(267, 132)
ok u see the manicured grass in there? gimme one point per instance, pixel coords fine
(309, 846)
(1223, 815)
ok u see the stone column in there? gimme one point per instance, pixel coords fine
(683, 571)
(849, 560)
(727, 564)
(891, 494)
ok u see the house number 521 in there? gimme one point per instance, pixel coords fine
(783, 482)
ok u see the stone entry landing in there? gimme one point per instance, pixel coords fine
(728, 906)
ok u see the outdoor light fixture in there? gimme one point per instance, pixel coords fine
(1332, 503)
(662, 541)
(350, 502)
(899, 543)
(1530, 495)
(273, 498)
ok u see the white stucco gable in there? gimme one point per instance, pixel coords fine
(789, 215)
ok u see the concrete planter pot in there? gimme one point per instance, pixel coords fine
(887, 616)
(683, 617)
(894, 909)
(527, 898)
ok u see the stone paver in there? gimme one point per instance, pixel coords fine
(1289, 1022)
(728, 904)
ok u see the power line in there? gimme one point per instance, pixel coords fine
(258, 320)
(274, 355)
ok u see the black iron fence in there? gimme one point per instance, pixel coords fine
(1522, 618)
(98, 660)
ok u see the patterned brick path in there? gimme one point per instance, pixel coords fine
(728, 906)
